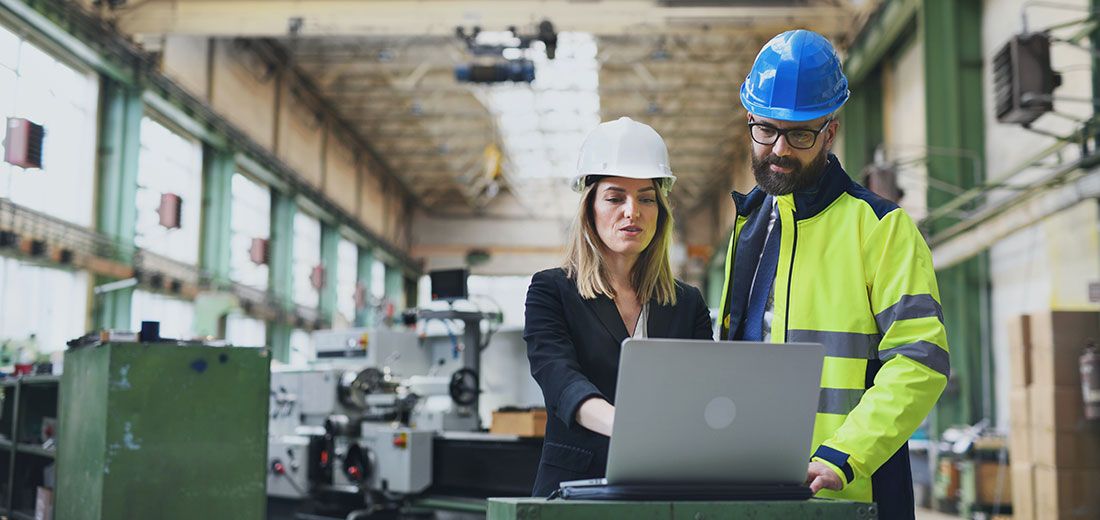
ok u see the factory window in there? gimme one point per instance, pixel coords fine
(169, 163)
(176, 316)
(251, 220)
(242, 331)
(307, 255)
(378, 280)
(347, 267)
(301, 347)
(30, 296)
(35, 86)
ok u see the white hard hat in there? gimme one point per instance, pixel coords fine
(624, 148)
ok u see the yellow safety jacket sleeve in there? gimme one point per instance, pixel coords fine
(913, 350)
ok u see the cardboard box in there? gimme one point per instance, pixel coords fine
(947, 479)
(43, 504)
(1020, 445)
(530, 423)
(1065, 450)
(1066, 493)
(1019, 403)
(1019, 351)
(1057, 339)
(994, 485)
(1023, 491)
(1058, 408)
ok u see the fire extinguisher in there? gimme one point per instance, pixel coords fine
(1090, 381)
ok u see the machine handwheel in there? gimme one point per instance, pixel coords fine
(355, 387)
(357, 464)
(369, 380)
(464, 386)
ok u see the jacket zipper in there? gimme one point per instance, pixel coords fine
(790, 277)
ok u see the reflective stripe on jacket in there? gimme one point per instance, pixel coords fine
(855, 275)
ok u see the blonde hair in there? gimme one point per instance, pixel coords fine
(651, 275)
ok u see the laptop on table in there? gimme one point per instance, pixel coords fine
(710, 420)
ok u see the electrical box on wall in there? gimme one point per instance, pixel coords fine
(360, 296)
(23, 143)
(257, 252)
(1023, 80)
(317, 277)
(882, 179)
(170, 210)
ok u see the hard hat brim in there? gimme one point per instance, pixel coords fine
(578, 182)
(786, 114)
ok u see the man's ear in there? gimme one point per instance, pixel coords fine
(830, 133)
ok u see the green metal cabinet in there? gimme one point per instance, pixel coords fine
(541, 509)
(163, 431)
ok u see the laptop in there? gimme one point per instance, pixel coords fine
(718, 413)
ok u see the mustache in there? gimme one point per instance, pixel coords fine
(789, 163)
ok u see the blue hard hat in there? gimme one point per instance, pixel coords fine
(796, 77)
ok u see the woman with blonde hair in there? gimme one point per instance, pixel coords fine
(616, 282)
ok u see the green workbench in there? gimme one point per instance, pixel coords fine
(541, 509)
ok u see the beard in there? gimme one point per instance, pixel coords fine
(801, 176)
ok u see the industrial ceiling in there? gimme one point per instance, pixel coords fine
(388, 68)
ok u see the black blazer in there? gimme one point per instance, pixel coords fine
(573, 346)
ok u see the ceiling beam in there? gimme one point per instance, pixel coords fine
(273, 18)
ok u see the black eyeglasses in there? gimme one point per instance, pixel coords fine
(800, 138)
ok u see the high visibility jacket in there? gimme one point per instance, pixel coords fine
(854, 274)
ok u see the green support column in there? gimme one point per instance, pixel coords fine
(955, 121)
(855, 136)
(330, 242)
(861, 121)
(364, 316)
(116, 216)
(894, 23)
(281, 264)
(412, 292)
(395, 287)
(217, 198)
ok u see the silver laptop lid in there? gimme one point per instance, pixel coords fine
(700, 411)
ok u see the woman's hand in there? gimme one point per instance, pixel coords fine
(597, 415)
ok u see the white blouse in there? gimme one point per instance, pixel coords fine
(640, 328)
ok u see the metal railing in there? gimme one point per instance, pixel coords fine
(36, 237)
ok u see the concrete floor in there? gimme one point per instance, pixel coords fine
(928, 514)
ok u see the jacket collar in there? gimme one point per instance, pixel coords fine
(608, 314)
(660, 318)
(808, 203)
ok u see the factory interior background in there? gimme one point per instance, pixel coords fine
(273, 183)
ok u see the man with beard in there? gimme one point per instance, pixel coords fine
(815, 257)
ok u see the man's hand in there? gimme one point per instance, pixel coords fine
(820, 476)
